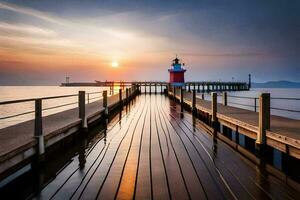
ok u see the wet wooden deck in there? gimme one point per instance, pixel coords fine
(154, 152)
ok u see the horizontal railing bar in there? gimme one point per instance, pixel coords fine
(95, 92)
(57, 97)
(95, 98)
(242, 104)
(241, 97)
(283, 109)
(17, 115)
(285, 98)
(59, 106)
(16, 101)
(33, 99)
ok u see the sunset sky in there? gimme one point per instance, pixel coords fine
(42, 41)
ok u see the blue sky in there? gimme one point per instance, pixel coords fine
(41, 42)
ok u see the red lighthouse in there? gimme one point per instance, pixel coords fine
(177, 73)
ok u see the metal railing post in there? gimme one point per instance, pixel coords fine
(38, 127)
(224, 98)
(81, 106)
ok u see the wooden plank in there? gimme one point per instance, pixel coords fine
(179, 189)
(143, 183)
(128, 180)
(188, 172)
(160, 188)
(112, 181)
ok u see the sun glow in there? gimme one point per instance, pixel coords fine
(115, 64)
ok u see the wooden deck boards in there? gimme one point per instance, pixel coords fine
(156, 153)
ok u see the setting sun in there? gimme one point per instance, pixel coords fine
(115, 64)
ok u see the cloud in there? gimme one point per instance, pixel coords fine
(248, 54)
(26, 29)
(30, 12)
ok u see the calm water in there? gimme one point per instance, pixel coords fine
(23, 92)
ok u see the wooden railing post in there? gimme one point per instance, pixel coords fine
(214, 108)
(38, 127)
(120, 98)
(224, 98)
(127, 95)
(194, 101)
(174, 93)
(105, 103)
(263, 121)
(181, 98)
(81, 106)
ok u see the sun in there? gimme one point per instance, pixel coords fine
(115, 64)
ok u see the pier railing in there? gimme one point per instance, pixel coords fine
(276, 104)
(71, 101)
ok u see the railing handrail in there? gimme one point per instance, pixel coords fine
(33, 99)
(285, 98)
(43, 98)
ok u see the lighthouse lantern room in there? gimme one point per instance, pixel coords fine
(177, 73)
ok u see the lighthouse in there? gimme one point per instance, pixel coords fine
(177, 73)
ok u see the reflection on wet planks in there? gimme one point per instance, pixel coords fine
(156, 152)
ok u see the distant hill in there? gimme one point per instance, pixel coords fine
(276, 84)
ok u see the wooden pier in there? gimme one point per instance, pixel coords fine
(161, 150)
(278, 132)
(23, 142)
(158, 152)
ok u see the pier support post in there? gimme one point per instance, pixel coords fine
(81, 106)
(105, 103)
(189, 86)
(120, 98)
(181, 98)
(194, 101)
(155, 92)
(145, 88)
(214, 108)
(202, 96)
(161, 88)
(263, 122)
(150, 88)
(224, 98)
(38, 127)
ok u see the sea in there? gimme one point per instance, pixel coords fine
(10, 114)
